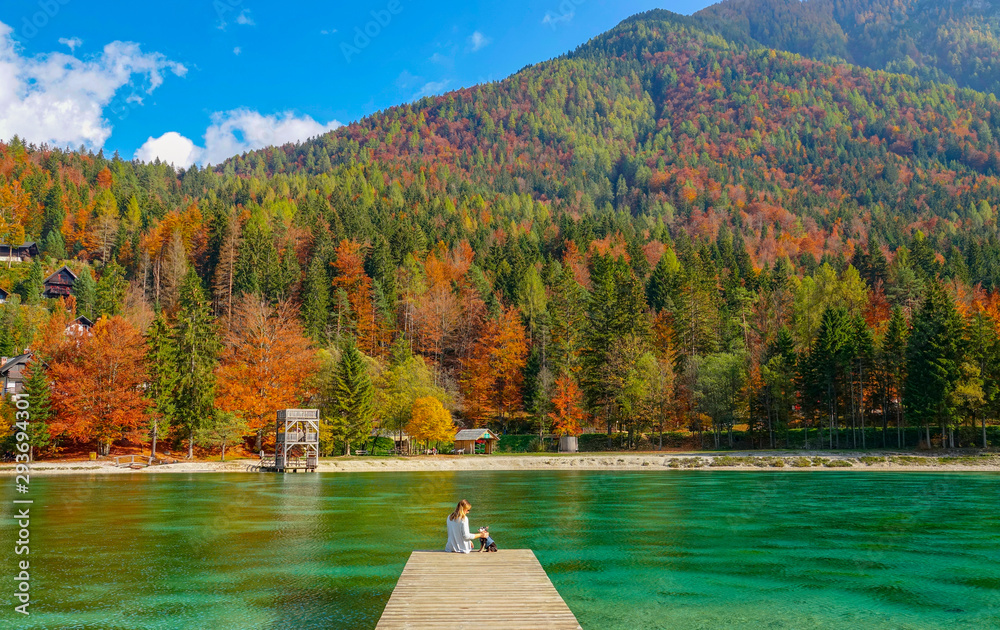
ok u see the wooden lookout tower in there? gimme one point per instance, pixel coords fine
(296, 445)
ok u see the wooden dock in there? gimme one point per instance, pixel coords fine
(507, 589)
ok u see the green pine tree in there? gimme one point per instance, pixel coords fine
(823, 372)
(55, 214)
(197, 346)
(316, 297)
(892, 357)
(933, 360)
(33, 284)
(54, 246)
(163, 364)
(352, 399)
(85, 290)
(36, 386)
(110, 291)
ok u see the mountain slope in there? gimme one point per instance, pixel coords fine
(931, 39)
(663, 119)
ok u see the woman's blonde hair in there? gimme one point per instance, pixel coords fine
(460, 510)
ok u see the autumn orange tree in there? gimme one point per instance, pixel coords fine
(494, 373)
(430, 421)
(98, 386)
(350, 278)
(567, 405)
(267, 363)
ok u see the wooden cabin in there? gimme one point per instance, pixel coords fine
(60, 284)
(472, 441)
(18, 253)
(12, 373)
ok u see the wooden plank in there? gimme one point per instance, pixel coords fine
(507, 589)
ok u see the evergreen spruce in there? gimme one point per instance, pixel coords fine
(197, 347)
(33, 286)
(85, 290)
(110, 291)
(352, 399)
(163, 377)
(933, 358)
(36, 386)
(316, 298)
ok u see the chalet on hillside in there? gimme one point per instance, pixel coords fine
(12, 373)
(3, 296)
(79, 326)
(18, 253)
(60, 284)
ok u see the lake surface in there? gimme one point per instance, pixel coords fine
(658, 549)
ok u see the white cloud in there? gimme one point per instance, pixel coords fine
(232, 133)
(432, 87)
(71, 42)
(171, 147)
(60, 99)
(237, 50)
(328, 31)
(478, 41)
(552, 19)
(244, 18)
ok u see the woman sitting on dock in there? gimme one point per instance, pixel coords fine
(459, 538)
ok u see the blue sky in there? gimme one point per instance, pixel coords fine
(198, 81)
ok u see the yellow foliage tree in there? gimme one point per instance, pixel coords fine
(430, 421)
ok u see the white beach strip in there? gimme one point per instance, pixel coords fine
(784, 461)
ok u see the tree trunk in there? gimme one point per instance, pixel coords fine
(152, 447)
(223, 451)
(259, 441)
(191, 444)
(899, 427)
(831, 428)
(984, 431)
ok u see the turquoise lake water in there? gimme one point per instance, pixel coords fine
(658, 549)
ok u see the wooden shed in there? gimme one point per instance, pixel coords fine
(471, 441)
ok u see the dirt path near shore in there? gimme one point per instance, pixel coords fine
(804, 460)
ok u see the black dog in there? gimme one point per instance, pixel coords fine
(486, 544)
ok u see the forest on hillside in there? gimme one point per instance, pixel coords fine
(937, 40)
(663, 230)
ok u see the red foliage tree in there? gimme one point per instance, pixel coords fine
(98, 384)
(267, 363)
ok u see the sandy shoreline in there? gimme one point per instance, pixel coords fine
(805, 460)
